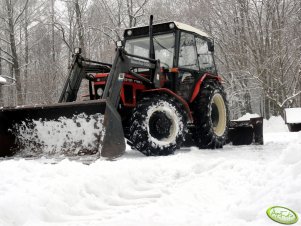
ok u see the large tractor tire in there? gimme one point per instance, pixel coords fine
(211, 116)
(158, 125)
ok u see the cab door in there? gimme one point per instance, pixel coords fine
(188, 65)
(205, 56)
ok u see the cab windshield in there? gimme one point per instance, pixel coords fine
(164, 48)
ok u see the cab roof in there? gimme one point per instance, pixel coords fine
(163, 27)
(189, 28)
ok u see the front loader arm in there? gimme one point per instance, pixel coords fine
(77, 72)
(123, 63)
(72, 84)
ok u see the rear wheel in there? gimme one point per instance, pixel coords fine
(158, 125)
(211, 116)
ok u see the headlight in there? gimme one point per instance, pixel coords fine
(171, 25)
(129, 32)
(99, 92)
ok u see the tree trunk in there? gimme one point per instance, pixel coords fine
(26, 55)
(130, 12)
(16, 69)
(80, 27)
(52, 31)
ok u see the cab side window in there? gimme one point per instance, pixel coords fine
(188, 54)
(204, 55)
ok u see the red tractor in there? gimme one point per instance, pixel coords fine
(184, 97)
(162, 90)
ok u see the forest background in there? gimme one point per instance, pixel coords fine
(258, 44)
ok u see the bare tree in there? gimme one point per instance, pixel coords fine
(258, 45)
(80, 26)
(11, 17)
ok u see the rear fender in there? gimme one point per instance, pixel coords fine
(199, 83)
(171, 93)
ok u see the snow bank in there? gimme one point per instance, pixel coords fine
(247, 116)
(292, 153)
(229, 187)
(275, 124)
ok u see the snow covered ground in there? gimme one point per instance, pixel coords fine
(233, 186)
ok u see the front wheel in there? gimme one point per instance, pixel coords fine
(211, 116)
(158, 125)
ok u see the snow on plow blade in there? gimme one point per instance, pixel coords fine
(246, 132)
(82, 128)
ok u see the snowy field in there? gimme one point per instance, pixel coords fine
(234, 186)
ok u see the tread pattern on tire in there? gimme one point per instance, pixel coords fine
(203, 133)
(140, 137)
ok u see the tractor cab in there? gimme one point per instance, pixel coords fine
(185, 53)
(176, 45)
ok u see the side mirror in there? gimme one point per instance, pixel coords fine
(211, 46)
(2, 81)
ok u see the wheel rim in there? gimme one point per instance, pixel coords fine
(160, 125)
(163, 125)
(218, 114)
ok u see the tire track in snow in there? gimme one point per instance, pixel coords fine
(188, 188)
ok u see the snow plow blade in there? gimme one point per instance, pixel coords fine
(81, 128)
(246, 132)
